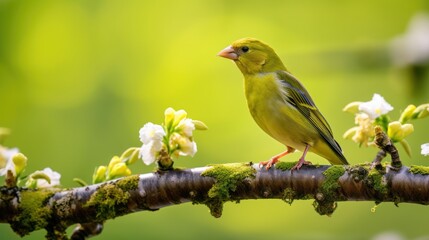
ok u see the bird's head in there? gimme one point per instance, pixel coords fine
(252, 56)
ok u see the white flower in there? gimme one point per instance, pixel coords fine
(363, 132)
(185, 146)
(150, 151)
(186, 126)
(6, 162)
(151, 132)
(151, 136)
(425, 149)
(53, 176)
(376, 107)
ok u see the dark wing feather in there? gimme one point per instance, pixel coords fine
(297, 95)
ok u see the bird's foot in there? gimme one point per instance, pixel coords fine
(299, 164)
(268, 164)
(275, 159)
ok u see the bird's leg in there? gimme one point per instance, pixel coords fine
(273, 160)
(302, 160)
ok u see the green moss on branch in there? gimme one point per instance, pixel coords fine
(423, 170)
(111, 200)
(228, 177)
(35, 214)
(325, 199)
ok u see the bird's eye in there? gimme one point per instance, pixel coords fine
(245, 49)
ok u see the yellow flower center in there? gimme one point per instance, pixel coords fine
(378, 110)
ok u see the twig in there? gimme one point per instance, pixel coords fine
(386, 146)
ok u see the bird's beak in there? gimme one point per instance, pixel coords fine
(229, 53)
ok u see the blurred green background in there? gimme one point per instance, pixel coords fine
(79, 78)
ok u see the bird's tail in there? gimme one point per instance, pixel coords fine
(340, 155)
(333, 154)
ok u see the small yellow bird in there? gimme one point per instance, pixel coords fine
(281, 105)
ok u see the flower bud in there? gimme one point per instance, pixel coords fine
(407, 114)
(397, 131)
(179, 116)
(115, 160)
(199, 125)
(99, 174)
(130, 156)
(421, 111)
(134, 156)
(119, 170)
(20, 162)
(169, 117)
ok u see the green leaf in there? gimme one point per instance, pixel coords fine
(352, 107)
(383, 121)
(406, 147)
(80, 182)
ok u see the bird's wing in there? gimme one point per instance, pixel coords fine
(297, 95)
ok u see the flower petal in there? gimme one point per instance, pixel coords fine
(150, 151)
(186, 127)
(6, 161)
(376, 107)
(53, 176)
(151, 132)
(425, 149)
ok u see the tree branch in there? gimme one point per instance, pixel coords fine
(56, 209)
(28, 210)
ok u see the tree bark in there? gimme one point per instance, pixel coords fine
(56, 209)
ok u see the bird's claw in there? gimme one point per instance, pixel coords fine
(299, 164)
(268, 164)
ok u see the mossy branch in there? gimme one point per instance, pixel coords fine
(55, 210)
